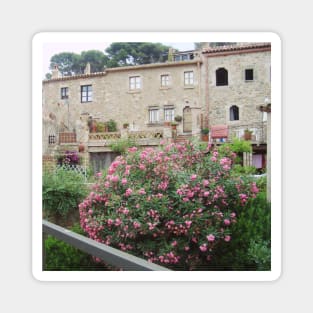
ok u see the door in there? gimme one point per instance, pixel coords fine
(187, 120)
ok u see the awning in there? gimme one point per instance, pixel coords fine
(219, 131)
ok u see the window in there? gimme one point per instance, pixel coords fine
(249, 74)
(86, 93)
(165, 80)
(188, 78)
(153, 115)
(64, 93)
(234, 113)
(134, 83)
(221, 77)
(51, 139)
(169, 114)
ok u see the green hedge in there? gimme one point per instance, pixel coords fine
(60, 256)
(250, 247)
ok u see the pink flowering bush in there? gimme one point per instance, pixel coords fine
(173, 206)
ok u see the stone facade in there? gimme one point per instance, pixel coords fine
(248, 84)
(130, 94)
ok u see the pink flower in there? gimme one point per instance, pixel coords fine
(118, 222)
(210, 238)
(128, 192)
(188, 223)
(227, 238)
(136, 225)
(142, 191)
(174, 243)
(133, 149)
(114, 179)
(226, 221)
(205, 182)
(203, 247)
(193, 176)
(99, 174)
(206, 193)
(233, 214)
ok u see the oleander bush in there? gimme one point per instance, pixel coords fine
(174, 206)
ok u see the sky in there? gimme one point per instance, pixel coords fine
(50, 49)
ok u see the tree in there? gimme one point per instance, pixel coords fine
(96, 58)
(67, 63)
(117, 54)
(135, 53)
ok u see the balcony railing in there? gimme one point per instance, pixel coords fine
(108, 254)
(259, 134)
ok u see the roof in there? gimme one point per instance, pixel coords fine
(238, 48)
(124, 68)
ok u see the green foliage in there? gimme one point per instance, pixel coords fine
(121, 145)
(96, 58)
(250, 247)
(205, 131)
(238, 169)
(67, 63)
(118, 54)
(60, 256)
(237, 145)
(62, 191)
(100, 127)
(134, 53)
(112, 126)
(259, 252)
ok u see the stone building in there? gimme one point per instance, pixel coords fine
(219, 87)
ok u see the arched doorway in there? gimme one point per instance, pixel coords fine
(187, 120)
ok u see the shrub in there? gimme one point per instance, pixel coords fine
(60, 256)
(250, 248)
(112, 126)
(121, 145)
(69, 158)
(62, 191)
(173, 206)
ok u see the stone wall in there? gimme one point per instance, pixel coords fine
(246, 95)
(112, 98)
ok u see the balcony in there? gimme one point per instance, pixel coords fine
(258, 133)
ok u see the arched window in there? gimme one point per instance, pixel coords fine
(234, 113)
(221, 77)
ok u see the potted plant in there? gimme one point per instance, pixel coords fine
(178, 118)
(125, 125)
(205, 134)
(174, 125)
(247, 134)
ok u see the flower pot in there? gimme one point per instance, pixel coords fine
(81, 148)
(247, 136)
(205, 137)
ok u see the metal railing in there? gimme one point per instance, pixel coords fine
(108, 254)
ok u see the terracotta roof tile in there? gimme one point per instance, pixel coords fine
(237, 47)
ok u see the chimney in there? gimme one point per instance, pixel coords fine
(87, 68)
(55, 72)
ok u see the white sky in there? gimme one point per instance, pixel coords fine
(50, 49)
